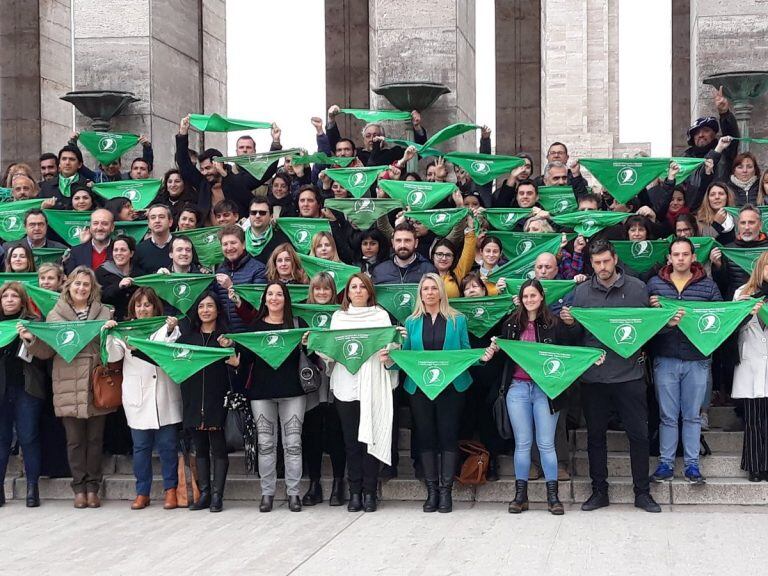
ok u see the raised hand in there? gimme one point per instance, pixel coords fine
(721, 102)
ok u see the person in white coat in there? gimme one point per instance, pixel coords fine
(750, 377)
(152, 402)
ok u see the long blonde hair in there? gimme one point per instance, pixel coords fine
(705, 213)
(445, 308)
(316, 242)
(756, 279)
(298, 274)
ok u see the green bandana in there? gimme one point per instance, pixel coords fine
(141, 193)
(65, 184)
(180, 361)
(352, 348)
(422, 150)
(744, 258)
(557, 199)
(484, 168)
(515, 244)
(255, 246)
(734, 211)
(397, 299)
(322, 158)
(703, 246)
(363, 212)
(141, 328)
(441, 222)
(484, 312)
(66, 338)
(300, 231)
(590, 222)
(6, 195)
(216, 123)
(274, 346)
(522, 266)
(554, 290)
(377, 115)
(505, 219)
(642, 255)
(23, 277)
(434, 370)
(417, 195)
(623, 330)
(356, 181)
(8, 332)
(44, 299)
(107, 147)
(316, 315)
(625, 178)
(12, 218)
(257, 164)
(708, 324)
(252, 293)
(753, 140)
(48, 255)
(554, 368)
(68, 224)
(448, 133)
(136, 230)
(206, 244)
(687, 167)
(339, 271)
(178, 290)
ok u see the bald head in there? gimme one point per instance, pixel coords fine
(102, 225)
(545, 266)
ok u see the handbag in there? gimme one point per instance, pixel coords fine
(107, 385)
(310, 376)
(501, 415)
(475, 466)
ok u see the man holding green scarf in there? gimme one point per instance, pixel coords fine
(70, 162)
(261, 236)
(36, 227)
(728, 275)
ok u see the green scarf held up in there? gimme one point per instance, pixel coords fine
(708, 324)
(340, 272)
(397, 299)
(744, 258)
(363, 212)
(753, 140)
(484, 312)
(255, 246)
(273, 346)
(554, 368)
(734, 211)
(441, 222)
(687, 167)
(206, 244)
(514, 244)
(66, 338)
(703, 246)
(356, 181)
(180, 361)
(322, 158)
(179, 290)
(316, 315)
(590, 222)
(505, 219)
(48, 255)
(417, 195)
(136, 229)
(252, 293)
(23, 277)
(352, 347)
(554, 290)
(65, 184)
(257, 164)
(141, 193)
(484, 168)
(625, 178)
(623, 330)
(12, 218)
(558, 199)
(377, 115)
(434, 370)
(44, 299)
(141, 328)
(642, 255)
(68, 224)
(8, 332)
(301, 231)
(522, 266)
(217, 123)
(107, 147)
(448, 133)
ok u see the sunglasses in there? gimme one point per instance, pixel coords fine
(259, 212)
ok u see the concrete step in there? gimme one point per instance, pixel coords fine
(724, 417)
(719, 440)
(718, 465)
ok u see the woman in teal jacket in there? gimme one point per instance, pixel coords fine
(434, 325)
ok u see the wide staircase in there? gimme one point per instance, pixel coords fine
(726, 482)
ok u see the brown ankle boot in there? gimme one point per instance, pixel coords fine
(93, 500)
(171, 500)
(80, 501)
(140, 502)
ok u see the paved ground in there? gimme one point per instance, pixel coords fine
(476, 539)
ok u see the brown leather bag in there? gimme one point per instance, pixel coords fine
(107, 383)
(475, 465)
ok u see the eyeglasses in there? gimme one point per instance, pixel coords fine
(259, 212)
(443, 255)
(684, 230)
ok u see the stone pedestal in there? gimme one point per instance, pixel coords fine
(35, 69)
(170, 53)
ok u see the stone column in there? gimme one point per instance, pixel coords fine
(35, 69)
(430, 42)
(518, 77)
(170, 53)
(729, 37)
(681, 74)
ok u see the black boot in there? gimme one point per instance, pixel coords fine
(2, 491)
(337, 493)
(314, 494)
(492, 474)
(355, 503)
(33, 496)
(203, 466)
(553, 502)
(447, 472)
(520, 503)
(369, 502)
(266, 503)
(294, 504)
(220, 467)
(428, 462)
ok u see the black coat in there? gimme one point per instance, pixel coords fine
(34, 373)
(109, 277)
(80, 255)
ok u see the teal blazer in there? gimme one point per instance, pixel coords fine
(456, 338)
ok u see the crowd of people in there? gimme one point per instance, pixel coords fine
(354, 415)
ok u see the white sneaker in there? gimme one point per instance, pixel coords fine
(704, 422)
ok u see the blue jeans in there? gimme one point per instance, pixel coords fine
(20, 408)
(528, 405)
(680, 389)
(165, 440)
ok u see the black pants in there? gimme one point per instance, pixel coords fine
(322, 433)
(629, 400)
(754, 456)
(362, 468)
(478, 409)
(437, 422)
(210, 444)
